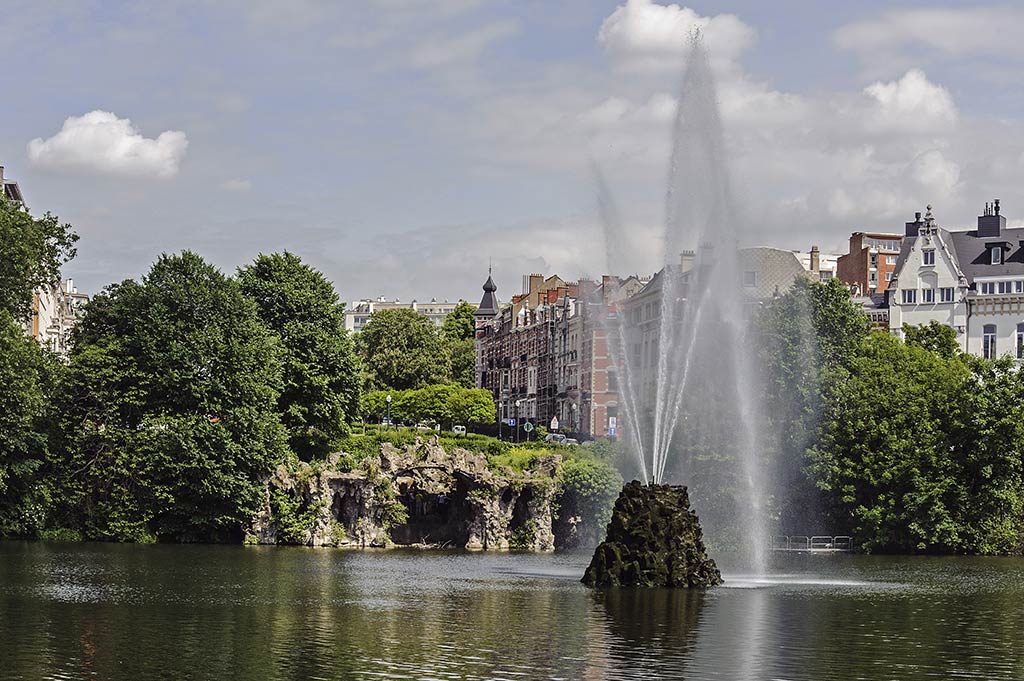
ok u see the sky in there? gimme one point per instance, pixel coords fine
(400, 146)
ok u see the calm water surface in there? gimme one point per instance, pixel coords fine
(95, 611)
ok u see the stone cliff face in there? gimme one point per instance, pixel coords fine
(653, 539)
(419, 495)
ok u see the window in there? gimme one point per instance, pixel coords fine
(824, 275)
(750, 279)
(946, 294)
(1004, 286)
(874, 277)
(1018, 286)
(927, 295)
(909, 295)
(988, 341)
(888, 276)
(929, 257)
(874, 260)
(890, 260)
(997, 255)
(988, 288)
(1020, 341)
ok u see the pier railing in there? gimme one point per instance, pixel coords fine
(812, 544)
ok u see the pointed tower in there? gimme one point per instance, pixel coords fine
(488, 306)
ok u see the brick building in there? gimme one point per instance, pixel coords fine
(517, 347)
(869, 266)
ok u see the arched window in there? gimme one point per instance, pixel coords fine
(988, 341)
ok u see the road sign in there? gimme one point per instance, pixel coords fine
(527, 426)
(612, 423)
(511, 422)
(554, 423)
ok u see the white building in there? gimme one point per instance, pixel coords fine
(55, 311)
(358, 312)
(971, 281)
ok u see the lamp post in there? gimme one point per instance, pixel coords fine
(518, 402)
(575, 417)
(387, 399)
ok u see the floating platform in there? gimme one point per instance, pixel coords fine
(812, 544)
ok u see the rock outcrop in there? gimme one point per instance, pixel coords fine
(653, 539)
(418, 495)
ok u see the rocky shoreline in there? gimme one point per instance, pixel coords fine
(418, 495)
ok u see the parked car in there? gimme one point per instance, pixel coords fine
(386, 422)
(425, 425)
(570, 441)
(556, 438)
(459, 430)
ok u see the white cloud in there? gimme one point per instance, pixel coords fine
(441, 51)
(912, 102)
(236, 185)
(644, 34)
(101, 142)
(953, 31)
(935, 172)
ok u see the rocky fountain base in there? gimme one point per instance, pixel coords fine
(653, 539)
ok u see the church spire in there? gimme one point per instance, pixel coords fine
(489, 303)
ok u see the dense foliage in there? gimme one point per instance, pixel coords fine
(910, 446)
(168, 413)
(444, 404)
(31, 253)
(321, 376)
(27, 377)
(403, 350)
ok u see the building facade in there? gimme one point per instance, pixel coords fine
(517, 348)
(55, 311)
(357, 313)
(55, 308)
(870, 265)
(971, 281)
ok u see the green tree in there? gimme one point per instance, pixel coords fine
(462, 354)
(401, 349)
(32, 251)
(321, 375)
(933, 336)
(807, 338)
(169, 408)
(922, 452)
(460, 324)
(27, 375)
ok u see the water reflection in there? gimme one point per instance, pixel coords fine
(184, 612)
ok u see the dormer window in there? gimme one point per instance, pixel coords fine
(929, 257)
(996, 255)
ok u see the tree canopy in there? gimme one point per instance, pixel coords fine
(401, 350)
(169, 410)
(321, 375)
(32, 251)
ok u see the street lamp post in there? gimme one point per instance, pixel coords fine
(575, 417)
(387, 399)
(518, 402)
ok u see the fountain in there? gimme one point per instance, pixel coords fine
(696, 418)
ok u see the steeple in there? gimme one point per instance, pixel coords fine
(488, 306)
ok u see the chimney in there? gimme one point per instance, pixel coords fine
(991, 223)
(536, 281)
(913, 227)
(71, 286)
(1, 176)
(686, 259)
(815, 260)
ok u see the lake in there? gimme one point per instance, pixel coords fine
(105, 611)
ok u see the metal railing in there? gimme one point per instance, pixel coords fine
(812, 544)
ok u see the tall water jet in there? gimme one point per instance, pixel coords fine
(698, 422)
